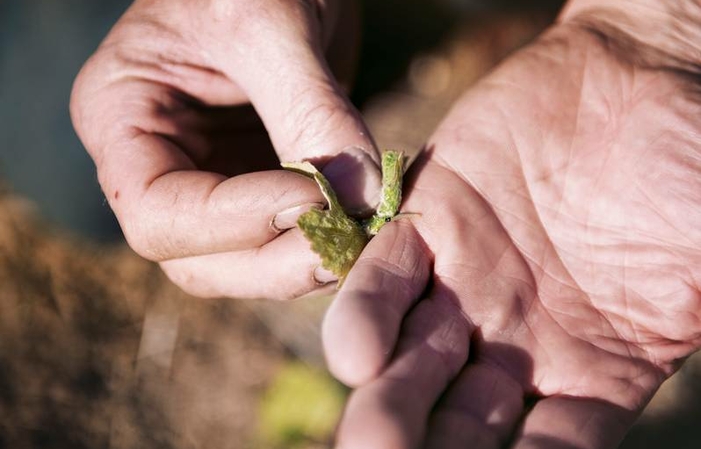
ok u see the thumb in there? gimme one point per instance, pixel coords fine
(277, 60)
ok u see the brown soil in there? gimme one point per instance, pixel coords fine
(80, 367)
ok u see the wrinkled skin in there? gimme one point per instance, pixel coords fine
(552, 281)
(556, 257)
(166, 109)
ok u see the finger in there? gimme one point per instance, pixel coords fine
(392, 410)
(342, 40)
(306, 112)
(480, 409)
(285, 268)
(361, 327)
(168, 210)
(568, 422)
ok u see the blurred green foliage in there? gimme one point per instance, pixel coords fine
(301, 407)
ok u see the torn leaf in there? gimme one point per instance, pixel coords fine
(337, 238)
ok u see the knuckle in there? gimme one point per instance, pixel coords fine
(388, 276)
(81, 103)
(143, 232)
(137, 237)
(314, 110)
(447, 333)
(247, 20)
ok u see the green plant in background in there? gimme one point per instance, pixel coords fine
(300, 408)
(335, 236)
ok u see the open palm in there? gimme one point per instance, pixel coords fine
(552, 280)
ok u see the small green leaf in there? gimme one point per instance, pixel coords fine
(307, 169)
(338, 238)
(335, 237)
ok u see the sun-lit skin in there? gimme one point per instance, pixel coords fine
(556, 263)
(177, 111)
(556, 255)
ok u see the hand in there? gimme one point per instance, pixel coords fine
(163, 109)
(552, 280)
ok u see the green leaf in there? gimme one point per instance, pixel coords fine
(335, 237)
(307, 169)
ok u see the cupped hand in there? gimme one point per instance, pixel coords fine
(191, 169)
(552, 280)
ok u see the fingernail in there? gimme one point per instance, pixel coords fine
(287, 219)
(322, 276)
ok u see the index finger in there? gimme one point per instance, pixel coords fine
(170, 209)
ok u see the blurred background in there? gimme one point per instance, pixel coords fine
(43, 44)
(98, 349)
